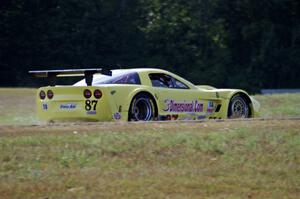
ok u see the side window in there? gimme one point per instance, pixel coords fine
(179, 84)
(166, 81)
(128, 78)
(160, 80)
(131, 78)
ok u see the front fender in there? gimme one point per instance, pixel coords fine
(227, 94)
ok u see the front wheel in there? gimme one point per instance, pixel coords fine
(142, 108)
(238, 108)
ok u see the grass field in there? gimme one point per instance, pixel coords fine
(17, 106)
(227, 159)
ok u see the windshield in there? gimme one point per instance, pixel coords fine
(118, 77)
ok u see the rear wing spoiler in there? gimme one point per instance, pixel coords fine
(53, 74)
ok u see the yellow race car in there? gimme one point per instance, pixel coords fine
(137, 95)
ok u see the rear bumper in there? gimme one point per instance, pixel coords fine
(74, 110)
(69, 104)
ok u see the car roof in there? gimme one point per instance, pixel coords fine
(141, 70)
(154, 70)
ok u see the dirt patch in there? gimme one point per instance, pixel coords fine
(128, 127)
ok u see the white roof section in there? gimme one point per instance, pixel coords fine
(117, 72)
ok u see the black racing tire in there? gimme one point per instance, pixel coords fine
(238, 107)
(142, 108)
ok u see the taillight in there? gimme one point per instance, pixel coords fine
(97, 94)
(50, 94)
(42, 95)
(87, 93)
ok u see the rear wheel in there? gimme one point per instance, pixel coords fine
(142, 108)
(238, 108)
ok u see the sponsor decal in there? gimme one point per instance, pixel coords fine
(210, 107)
(117, 116)
(201, 117)
(91, 112)
(193, 106)
(45, 106)
(186, 119)
(68, 106)
(167, 117)
(174, 117)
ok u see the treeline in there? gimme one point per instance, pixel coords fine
(248, 44)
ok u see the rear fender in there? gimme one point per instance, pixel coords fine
(120, 99)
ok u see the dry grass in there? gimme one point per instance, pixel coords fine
(236, 159)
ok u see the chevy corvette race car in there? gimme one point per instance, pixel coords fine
(137, 95)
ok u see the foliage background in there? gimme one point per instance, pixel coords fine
(248, 44)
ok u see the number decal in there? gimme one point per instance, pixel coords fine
(90, 104)
(94, 103)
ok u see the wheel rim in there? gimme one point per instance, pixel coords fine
(142, 109)
(239, 108)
